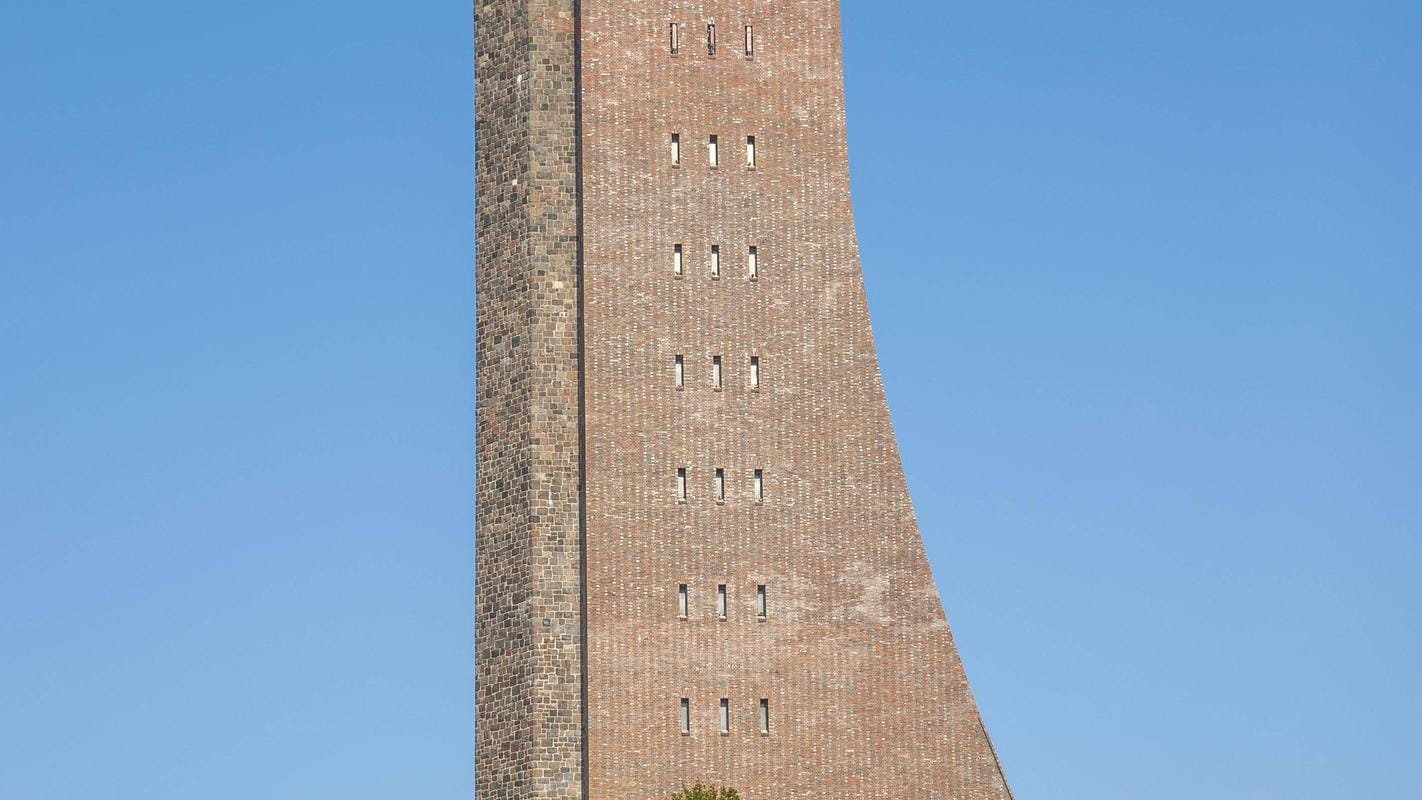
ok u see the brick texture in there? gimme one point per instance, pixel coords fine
(867, 694)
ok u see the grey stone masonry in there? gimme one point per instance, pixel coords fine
(528, 607)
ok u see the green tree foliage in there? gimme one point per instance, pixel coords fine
(702, 791)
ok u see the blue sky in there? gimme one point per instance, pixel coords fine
(1147, 285)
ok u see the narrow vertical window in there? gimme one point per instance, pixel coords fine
(675, 37)
(676, 259)
(764, 717)
(750, 152)
(684, 715)
(721, 601)
(758, 485)
(715, 260)
(762, 608)
(712, 152)
(679, 372)
(681, 485)
(753, 263)
(710, 38)
(719, 487)
(676, 149)
(755, 373)
(715, 372)
(683, 601)
(750, 41)
(725, 716)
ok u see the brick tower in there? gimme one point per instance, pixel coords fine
(697, 558)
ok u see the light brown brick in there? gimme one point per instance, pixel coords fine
(577, 337)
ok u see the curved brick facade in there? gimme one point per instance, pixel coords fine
(584, 656)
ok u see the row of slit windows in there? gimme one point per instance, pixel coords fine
(674, 33)
(713, 261)
(683, 602)
(723, 716)
(713, 150)
(718, 375)
(718, 485)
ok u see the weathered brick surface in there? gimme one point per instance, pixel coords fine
(868, 696)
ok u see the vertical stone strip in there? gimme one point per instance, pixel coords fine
(528, 607)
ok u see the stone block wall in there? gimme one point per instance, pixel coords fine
(528, 606)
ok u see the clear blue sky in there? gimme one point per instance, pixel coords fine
(1147, 285)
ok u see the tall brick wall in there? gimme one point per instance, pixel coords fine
(528, 608)
(866, 692)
